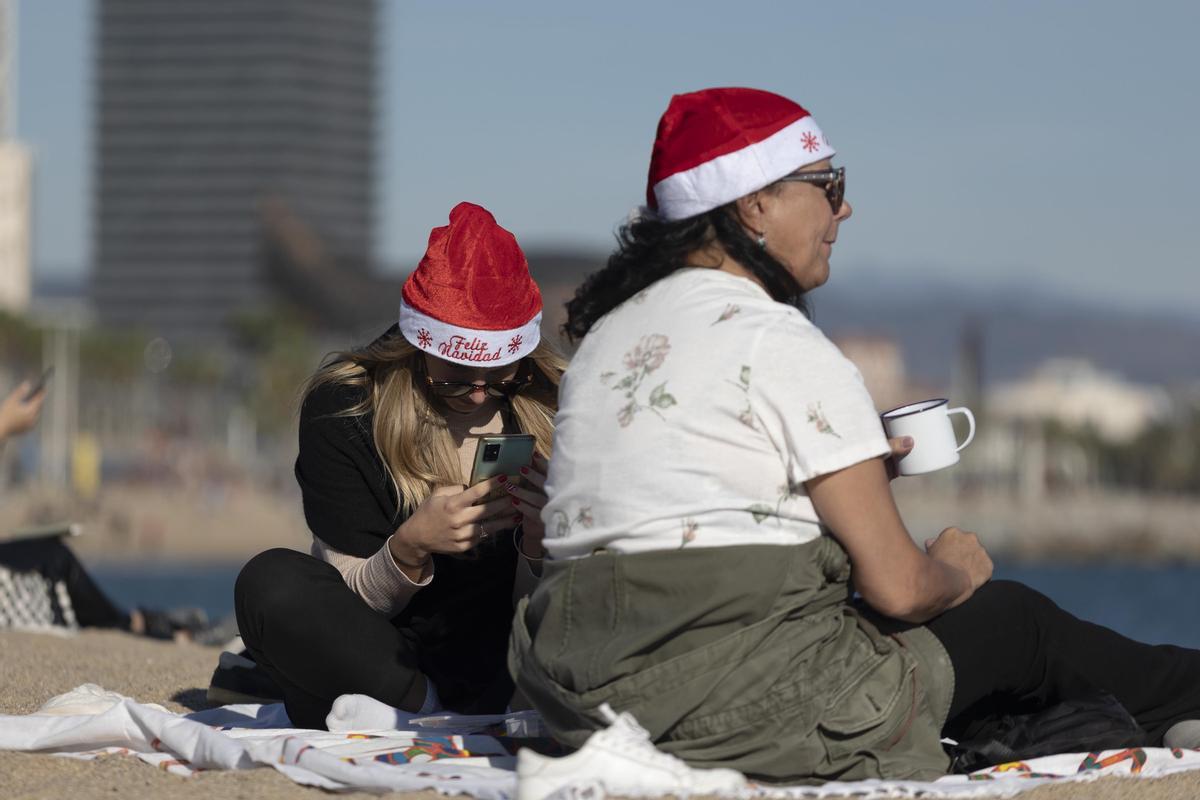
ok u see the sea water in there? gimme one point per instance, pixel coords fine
(1157, 604)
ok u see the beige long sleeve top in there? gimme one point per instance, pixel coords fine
(381, 583)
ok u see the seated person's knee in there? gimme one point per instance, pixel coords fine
(268, 582)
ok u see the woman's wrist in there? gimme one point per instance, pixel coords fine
(528, 547)
(960, 585)
(406, 554)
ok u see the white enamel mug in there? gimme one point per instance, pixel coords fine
(928, 423)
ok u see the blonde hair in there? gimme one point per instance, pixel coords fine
(411, 435)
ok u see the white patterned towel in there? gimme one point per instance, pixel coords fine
(374, 747)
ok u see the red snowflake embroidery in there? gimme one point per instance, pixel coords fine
(808, 141)
(423, 338)
(514, 344)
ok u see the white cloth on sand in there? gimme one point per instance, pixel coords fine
(374, 747)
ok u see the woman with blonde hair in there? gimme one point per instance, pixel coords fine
(407, 594)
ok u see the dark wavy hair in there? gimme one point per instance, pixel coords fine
(650, 249)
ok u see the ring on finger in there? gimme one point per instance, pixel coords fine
(483, 533)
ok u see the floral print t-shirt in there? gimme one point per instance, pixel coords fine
(693, 414)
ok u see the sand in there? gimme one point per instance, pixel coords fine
(35, 667)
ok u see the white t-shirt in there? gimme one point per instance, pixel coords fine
(691, 417)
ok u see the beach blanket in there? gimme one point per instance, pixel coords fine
(371, 746)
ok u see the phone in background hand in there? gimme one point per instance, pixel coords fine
(40, 384)
(502, 454)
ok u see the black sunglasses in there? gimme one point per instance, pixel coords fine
(464, 388)
(833, 181)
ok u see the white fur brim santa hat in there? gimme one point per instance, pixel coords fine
(471, 300)
(716, 145)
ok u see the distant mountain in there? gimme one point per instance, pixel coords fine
(1018, 329)
(59, 284)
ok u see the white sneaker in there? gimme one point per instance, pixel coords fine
(619, 760)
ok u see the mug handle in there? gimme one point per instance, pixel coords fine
(970, 419)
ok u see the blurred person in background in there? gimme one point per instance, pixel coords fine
(20, 410)
(720, 491)
(408, 592)
(43, 584)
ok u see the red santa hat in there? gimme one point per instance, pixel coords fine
(716, 145)
(471, 299)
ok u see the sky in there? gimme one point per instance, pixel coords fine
(1044, 146)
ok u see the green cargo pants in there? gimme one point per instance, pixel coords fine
(745, 657)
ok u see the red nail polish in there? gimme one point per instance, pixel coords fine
(517, 517)
(516, 502)
(504, 479)
(524, 470)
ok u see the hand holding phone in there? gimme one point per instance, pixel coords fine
(40, 384)
(529, 500)
(20, 410)
(450, 521)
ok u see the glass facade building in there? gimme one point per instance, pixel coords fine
(209, 111)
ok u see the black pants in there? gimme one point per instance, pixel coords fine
(318, 640)
(53, 560)
(1013, 649)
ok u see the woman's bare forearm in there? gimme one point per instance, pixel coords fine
(892, 574)
(937, 586)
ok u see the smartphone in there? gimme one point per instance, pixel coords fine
(40, 384)
(502, 454)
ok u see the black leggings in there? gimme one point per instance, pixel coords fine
(53, 560)
(317, 639)
(1013, 649)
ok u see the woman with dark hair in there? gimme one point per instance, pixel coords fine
(719, 493)
(407, 594)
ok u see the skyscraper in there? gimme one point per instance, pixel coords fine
(207, 111)
(15, 180)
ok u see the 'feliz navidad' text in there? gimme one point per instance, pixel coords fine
(460, 348)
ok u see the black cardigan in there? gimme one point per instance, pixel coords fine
(459, 624)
